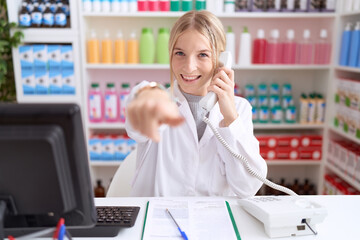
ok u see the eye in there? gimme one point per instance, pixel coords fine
(203, 55)
(179, 53)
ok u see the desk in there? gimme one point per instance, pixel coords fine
(342, 222)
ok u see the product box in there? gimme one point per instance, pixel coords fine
(311, 141)
(108, 148)
(258, 5)
(288, 6)
(342, 161)
(328, 5)
(42, 82)
(291, 141)
(28, 82)
(268, 153)
(26, 58)
(287, 153)
(273, 5)
(353, 154)
(301, 5)
(55, 82)
(40, 58)
(267, 141)
(67, 58)
(121, 148)
(242, 5)
(330, 151)
(357, 168)
(310, 153)
(54, 57)
(314, 5)
(131, 145)
(95, 148)
(68, 82)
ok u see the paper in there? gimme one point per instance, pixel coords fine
(199, 219)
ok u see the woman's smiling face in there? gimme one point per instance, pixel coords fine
(192, 62)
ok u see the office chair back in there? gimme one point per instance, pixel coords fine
(121, 183)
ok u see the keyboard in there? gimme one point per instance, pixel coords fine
(110, 219)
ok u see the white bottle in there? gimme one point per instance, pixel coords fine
(348, 5)
(230, 42)
(115, 6)
(87, 5)
(245, 48)
(229, 6)
(124, 6)
(356, 5)
(132, 6)
(217, 6)
(105, 6)
(96, 5)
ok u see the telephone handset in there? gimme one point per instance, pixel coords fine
(209, 101)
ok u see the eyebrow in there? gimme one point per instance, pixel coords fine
(202, 50)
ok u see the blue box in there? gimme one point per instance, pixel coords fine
(26, 58)
(54, 57)
(28, 82)
(40, 58)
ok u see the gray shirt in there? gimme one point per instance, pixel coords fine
(197, 112)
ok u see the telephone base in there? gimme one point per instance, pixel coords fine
(285, 216)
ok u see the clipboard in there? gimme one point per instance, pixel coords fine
(228, 210)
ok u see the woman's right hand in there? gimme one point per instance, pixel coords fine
(151, 108)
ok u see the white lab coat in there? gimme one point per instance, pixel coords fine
(180, 165)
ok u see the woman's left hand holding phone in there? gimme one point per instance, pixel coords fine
(151, 108)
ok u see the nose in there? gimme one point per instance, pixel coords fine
(190, 64)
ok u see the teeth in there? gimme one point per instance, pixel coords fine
(190, 77)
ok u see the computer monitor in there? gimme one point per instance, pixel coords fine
(44, 169)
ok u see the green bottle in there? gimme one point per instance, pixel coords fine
(186, 5)
(200, 5)
(162, 51)
(175, 5)
(147, 46)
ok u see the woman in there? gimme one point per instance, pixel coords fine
(178, 154)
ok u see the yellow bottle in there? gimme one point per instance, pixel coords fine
(119, 49)
(133, 49)
(93, 51)
(106, 49)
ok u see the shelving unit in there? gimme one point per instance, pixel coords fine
(315, 76)
(342, 72)
(304, 78)
(48, 36)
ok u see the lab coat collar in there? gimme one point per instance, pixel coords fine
(215, 116)
(184, 110)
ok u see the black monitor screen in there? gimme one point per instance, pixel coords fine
(44, 170)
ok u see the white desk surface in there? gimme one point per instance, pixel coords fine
(342, 222)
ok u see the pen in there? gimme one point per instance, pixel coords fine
(182, 233)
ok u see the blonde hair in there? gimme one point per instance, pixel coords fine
(206, 24)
